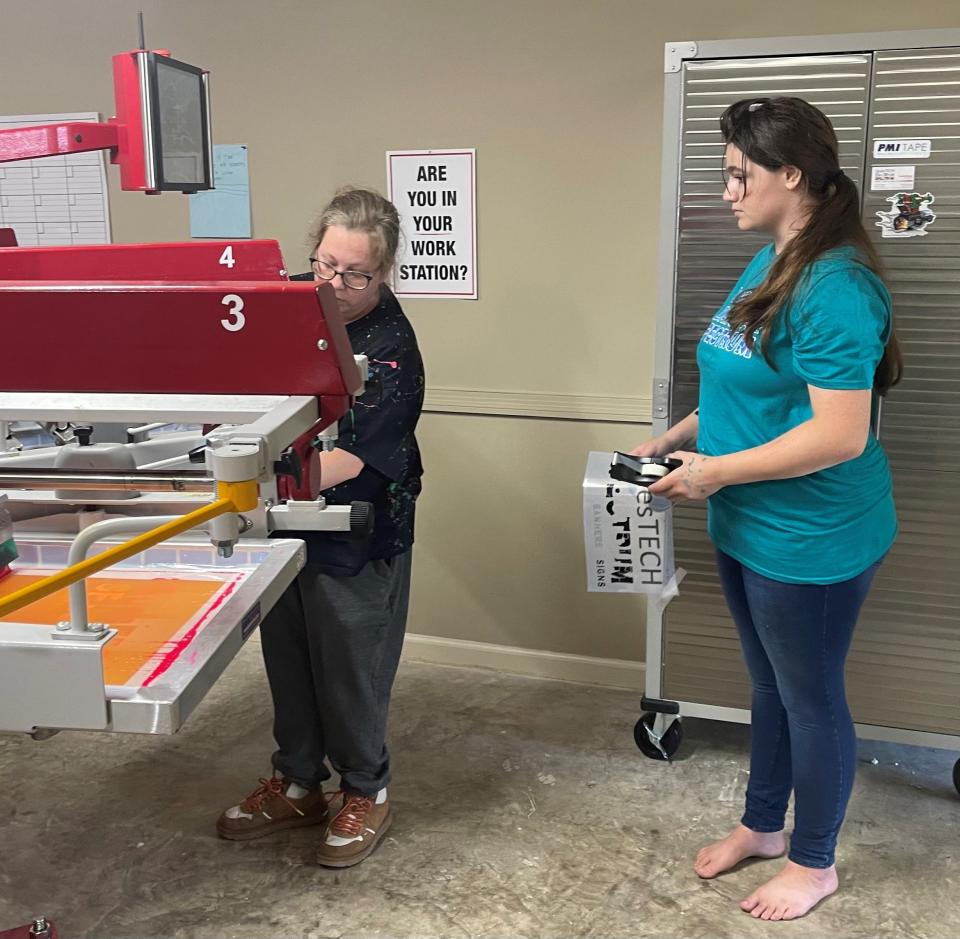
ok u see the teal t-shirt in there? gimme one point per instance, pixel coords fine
(831, 525)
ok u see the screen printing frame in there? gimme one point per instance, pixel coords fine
(164, 706)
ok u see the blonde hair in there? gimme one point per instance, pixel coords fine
(367, 211)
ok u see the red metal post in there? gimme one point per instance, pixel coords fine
(28, 143)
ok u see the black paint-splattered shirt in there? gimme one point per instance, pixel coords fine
(379, 430)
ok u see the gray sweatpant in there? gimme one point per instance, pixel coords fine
(331, 646)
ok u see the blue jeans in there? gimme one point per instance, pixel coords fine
(795, 639)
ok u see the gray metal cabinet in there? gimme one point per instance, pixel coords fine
(904, 668)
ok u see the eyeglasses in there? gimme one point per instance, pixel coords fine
(733, 181)
(355, 280)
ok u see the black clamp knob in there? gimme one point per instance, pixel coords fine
(361, 517)
(82, 434)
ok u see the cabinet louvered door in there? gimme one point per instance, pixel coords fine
(904, 667)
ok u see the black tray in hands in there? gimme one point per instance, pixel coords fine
(641, 470)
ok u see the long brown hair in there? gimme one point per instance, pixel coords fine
(778, 132)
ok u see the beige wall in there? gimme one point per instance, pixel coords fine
(563, 102)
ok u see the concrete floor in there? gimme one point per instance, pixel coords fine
(522, 809)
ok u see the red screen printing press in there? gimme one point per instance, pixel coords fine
(138, 565)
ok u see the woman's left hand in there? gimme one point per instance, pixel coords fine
(696, 479)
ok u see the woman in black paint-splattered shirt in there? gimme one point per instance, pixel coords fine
(332, 643)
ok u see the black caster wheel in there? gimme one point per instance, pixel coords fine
(956, 776)
(661, 749)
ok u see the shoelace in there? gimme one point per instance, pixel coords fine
(274, 786)
(351, 818)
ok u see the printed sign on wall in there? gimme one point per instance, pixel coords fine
(901, 148)
(895, 177)
(435, 193)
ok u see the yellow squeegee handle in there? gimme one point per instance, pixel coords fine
(235, 497)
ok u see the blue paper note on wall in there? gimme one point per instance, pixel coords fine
(224, 212)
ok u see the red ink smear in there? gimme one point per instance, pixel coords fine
(167, 661)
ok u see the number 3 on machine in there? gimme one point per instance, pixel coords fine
(235, 320)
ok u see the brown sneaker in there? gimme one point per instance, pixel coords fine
(355, 830)
(268, 808)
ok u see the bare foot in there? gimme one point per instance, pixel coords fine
(793, 892)
(740, 844)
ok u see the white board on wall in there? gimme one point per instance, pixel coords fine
(55, 200)
(435, 193)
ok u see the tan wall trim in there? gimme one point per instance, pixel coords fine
(536, 663)
(636, 409)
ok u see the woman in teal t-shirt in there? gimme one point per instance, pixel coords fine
(800, 496)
